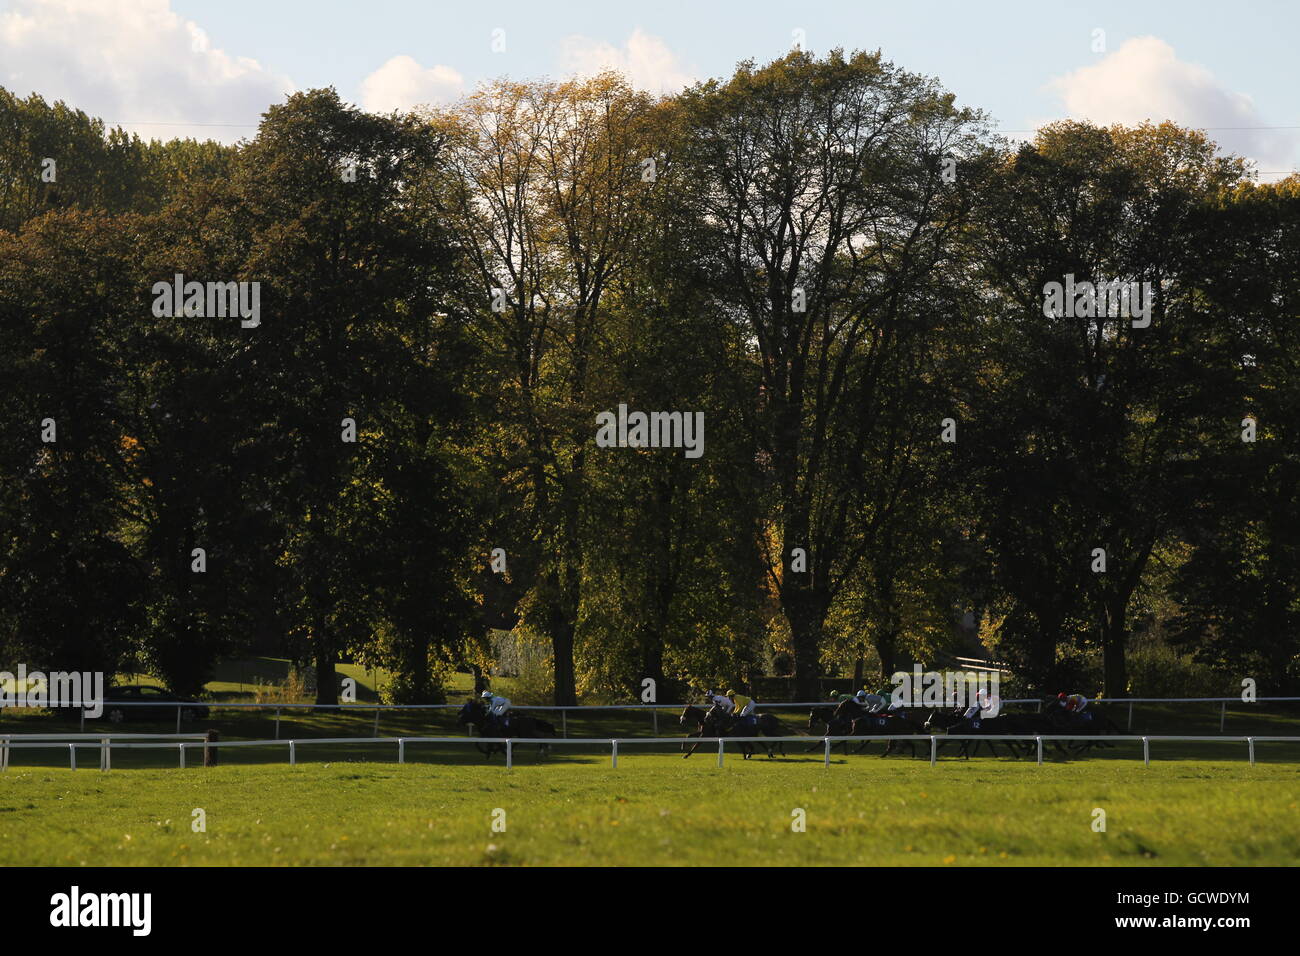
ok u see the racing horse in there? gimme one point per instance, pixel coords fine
(475, 715)
(834, 726)
(948, 722)
(717, 723)
(1091, 723)
(864, 723)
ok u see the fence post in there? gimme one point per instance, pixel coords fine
(828, 753)
(277, 723)
(1223, 714)
(719, 751)
(105, 754)
(72, 756)
(4, 754)
(209, 751)
(401, 750)
(83, 720)
(613, 754)
(1250, 742)
(1130, 715)
(293, 755)
(376, 722)
(934, 749)
(1040, 750)
(510, 754)
(178, 718)
(564, 723)
(181, 747)
(1146, 752)
(655, 712)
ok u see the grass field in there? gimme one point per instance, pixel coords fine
(659, 810)
(1197, 804)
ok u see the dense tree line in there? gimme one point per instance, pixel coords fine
(843, 271)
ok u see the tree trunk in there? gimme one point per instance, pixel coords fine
(327, 681)
(1042, 657)
(887, 648)
(805, 638)
(652, 664)
(566, 691)
(1114, 641)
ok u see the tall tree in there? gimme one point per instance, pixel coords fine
(1095, 422)
(822, 181)
(543, 190)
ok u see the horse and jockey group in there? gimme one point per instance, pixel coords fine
(1066, 714)
(863, 714)
(731, 715)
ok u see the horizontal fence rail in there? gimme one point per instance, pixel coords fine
(565, 709)
(106, 743)
(582, 708)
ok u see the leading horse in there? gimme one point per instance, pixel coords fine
(476, 716)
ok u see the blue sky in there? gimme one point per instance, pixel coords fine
(222, 61)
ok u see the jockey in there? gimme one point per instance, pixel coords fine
(980, 703)
(870, 703)
(1072, 703)
(723, 703)
(498, 708)
(742, 708)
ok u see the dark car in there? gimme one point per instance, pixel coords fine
(146, 702)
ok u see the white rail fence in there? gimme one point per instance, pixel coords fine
(182, 707)
(107, 743)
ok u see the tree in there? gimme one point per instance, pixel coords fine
(822, 182)
(1092, 424)
(354, 274)
(542, 190)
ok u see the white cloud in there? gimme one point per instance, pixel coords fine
(1145, 80)
(133, 60)
(645, 60)
(402, 84)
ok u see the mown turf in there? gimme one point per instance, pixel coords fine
(659, 810)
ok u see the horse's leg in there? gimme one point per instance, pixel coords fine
(699, 733)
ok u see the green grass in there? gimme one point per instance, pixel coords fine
(656, 809)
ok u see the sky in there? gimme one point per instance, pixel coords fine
(208, 68)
